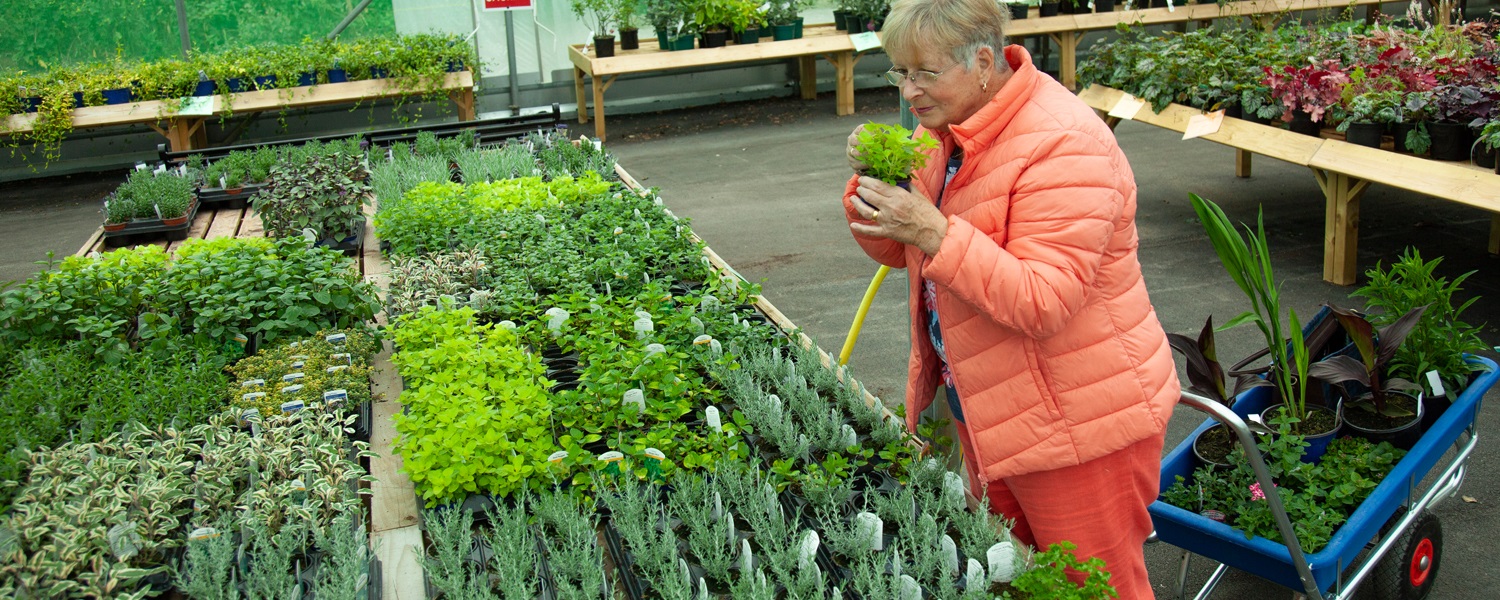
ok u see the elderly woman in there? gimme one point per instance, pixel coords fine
(1029, 312)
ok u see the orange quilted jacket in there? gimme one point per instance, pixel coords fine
(1054, 346)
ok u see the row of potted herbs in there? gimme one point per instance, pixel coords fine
(1434, 89)
(678, 22)
(419, 62)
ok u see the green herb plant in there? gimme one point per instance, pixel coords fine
(891, 153)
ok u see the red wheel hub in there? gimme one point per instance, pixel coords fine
(1421, 562)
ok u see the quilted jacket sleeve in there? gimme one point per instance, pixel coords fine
(886, 252)
(1062, 212)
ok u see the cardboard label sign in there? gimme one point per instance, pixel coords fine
(1127, 107)
(1201, 125)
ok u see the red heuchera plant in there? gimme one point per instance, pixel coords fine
(1311, 89)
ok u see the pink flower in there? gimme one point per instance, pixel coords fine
(1255, 493)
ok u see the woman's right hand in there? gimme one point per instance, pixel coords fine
(852, 152)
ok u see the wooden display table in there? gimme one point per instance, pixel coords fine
(185, 132)
(817, 41)
(1343, 170)
(1068, 30)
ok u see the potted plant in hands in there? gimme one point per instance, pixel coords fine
(1387, 410)
(599, 16)
(1249, 265)
(890, 152)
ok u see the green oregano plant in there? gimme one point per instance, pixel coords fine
(891, 153)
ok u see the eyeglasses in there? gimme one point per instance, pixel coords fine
(923, 78)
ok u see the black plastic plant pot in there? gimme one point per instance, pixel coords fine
(1366, 424)
(362, 425)
(1450, 141)
(1019, 11)
(1049, 9)
(1104, 6)
(1399, 132)
(715, 39)
(1482, 155)
(624, 561)
(604, 47)
(630, 39)
(1215, 459)
(1365, 134)
(1302, 123)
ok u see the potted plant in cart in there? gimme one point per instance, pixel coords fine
(1249, 265)
(1387, 408)
(1206, 378)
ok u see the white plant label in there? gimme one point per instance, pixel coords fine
(250, 383)
(697, 327)
(711, 415)
(344, 356)
(953, 490)
(909, 588)
(637, 397)
(1435, 384)
(850, 437)
(291, 406)
(298, 364)
(1002, 558)
(252, 396)
(808, 551)
(747, 560)
(203, 533)
(335, 369)
(718, 512)
(871, 528)
(654, 349)
(557, 457)
(336, 339)
(730, 535)
(950, 556)
(292, 389)
(975, 573)
(643, 328)
(290, 377)
(508, 325)
(335, 397)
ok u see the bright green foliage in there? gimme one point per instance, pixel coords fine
(1049, 579)
(436, 216)
(891, 153)
(212, 291)
(1440, 339)
(477, 407)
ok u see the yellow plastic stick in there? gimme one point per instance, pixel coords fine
(859, 317)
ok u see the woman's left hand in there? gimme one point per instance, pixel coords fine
(898, 215)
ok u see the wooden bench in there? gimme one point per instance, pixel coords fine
(1343, 171)
(1068, 30)
(186, 132)
(817, 41)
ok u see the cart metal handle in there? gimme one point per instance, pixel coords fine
(1222, 414)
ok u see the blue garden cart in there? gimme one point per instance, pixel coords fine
(1391, 543)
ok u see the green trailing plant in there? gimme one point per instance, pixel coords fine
(891, 153)
(1441, 338)
(1248, 262)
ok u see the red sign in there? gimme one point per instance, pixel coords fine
(506, 4)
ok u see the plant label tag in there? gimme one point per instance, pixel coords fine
(292, 406)
(1213, 515)
(718, 512)
(953, 490)
(909, 588)
(250, 415)
(250, 383)
(1201, 125)
(252, 396)
(335, 369)
(747, 560)
(300, 357)
(299, 364)
(1002, 558)
(299, 491)
(294, 344)
(290, 377)
(1127, 107)
(197, 106)
(731, 536)
(864, 42)
(335, 397)
(975, 572)
(557, 457)
(637, 397)
(292, 389)
(871, 528)
(950, 556)
(344, 356)
(202, 534)
(808, 551)
(612, 461)
(336, 339)
(711, 415)
(654, 349)
(1435, 384)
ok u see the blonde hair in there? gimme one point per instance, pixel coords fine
(958, 27)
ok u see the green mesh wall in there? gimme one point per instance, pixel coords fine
(39, 34)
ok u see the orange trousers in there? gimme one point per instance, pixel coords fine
(1099, 505)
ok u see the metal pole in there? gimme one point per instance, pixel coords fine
(349, 18)
(510, 59)
(182, 28)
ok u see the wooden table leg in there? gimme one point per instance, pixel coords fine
(464, 100)
(807, 76)
(1242, 163)
(845, 93)
(1340, 225)
(181, 132)
(583, 101)
(599, 109)
(1495, 233)
(1067, 58)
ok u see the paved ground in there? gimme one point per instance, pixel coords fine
(761, 183)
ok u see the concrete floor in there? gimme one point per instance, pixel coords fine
(761, 183)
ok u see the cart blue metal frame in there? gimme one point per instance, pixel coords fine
(1331, 572)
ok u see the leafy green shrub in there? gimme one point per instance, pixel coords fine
(477, 407)
(1440, 339)
(321, 191)
(891, 153)
(438, 216)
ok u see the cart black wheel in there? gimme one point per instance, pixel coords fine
(1408, 571)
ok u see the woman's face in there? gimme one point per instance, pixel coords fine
(954, 95)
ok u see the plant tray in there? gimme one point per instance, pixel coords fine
(136, 232)
(1271, 559)
(221, 198)
(622, 561)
